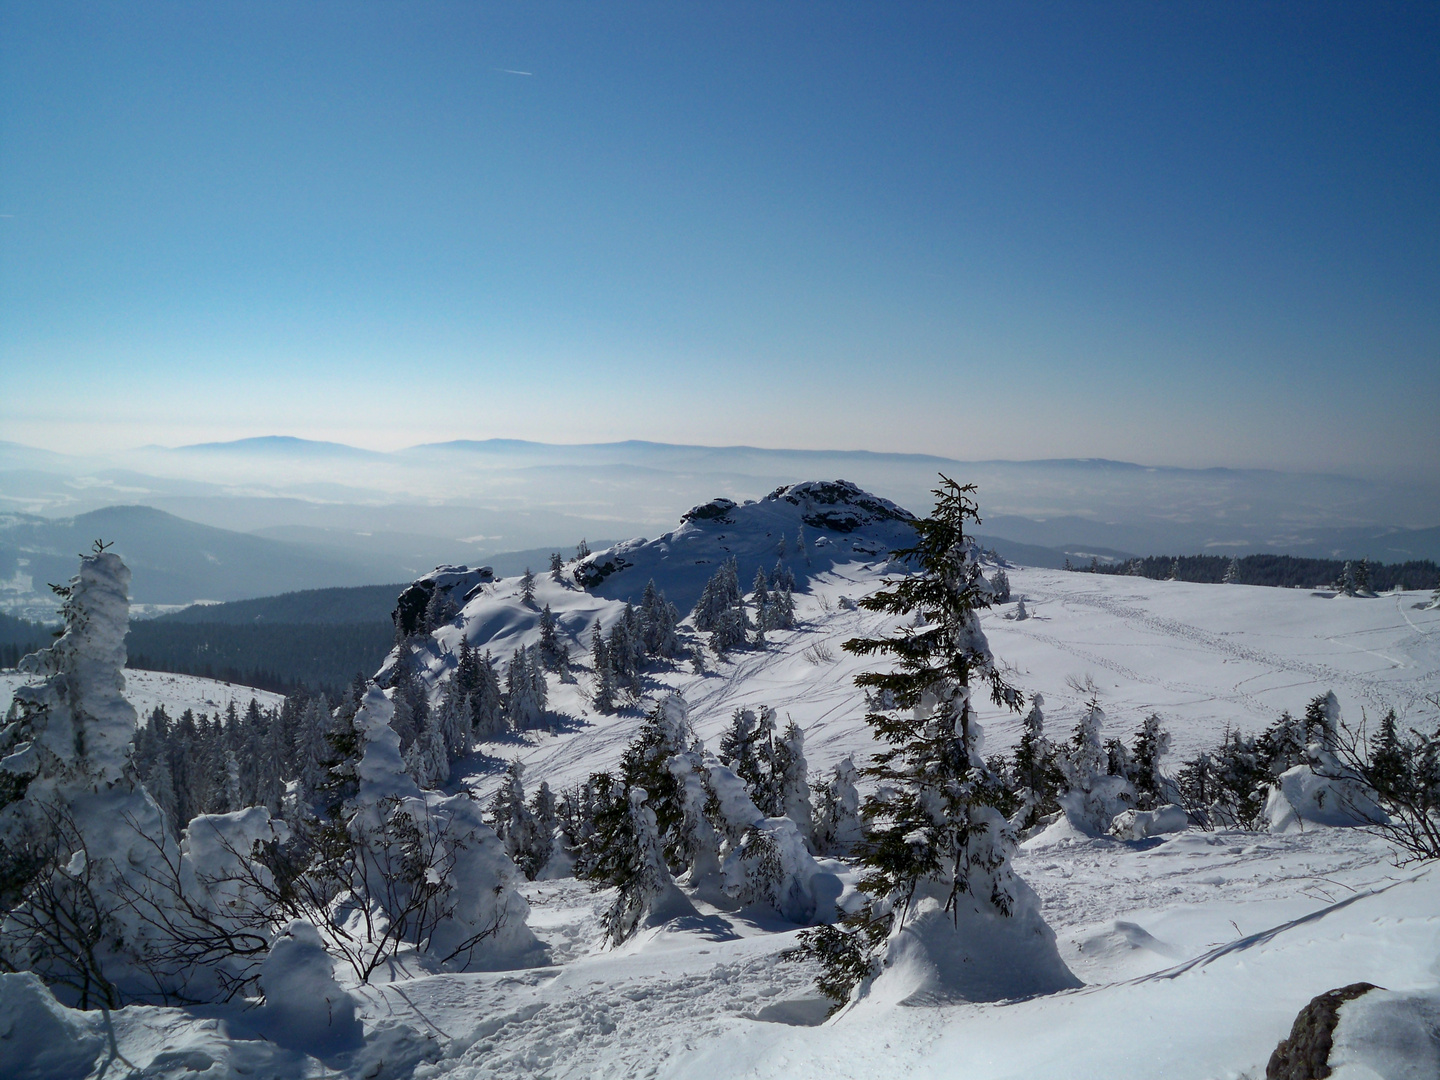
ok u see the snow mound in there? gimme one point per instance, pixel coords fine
(1302, 795)
(973, 954)
(822, 524)
(1138, 824)
(40, 1039)
(305, 1008)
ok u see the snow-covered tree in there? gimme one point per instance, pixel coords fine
(603, 697)
(526, 692)
(439, 610)
(553, 653)
(487, 701)
(1232, 571)
(1037, 778)
(101, 901)
(720, 596)
(630, 858)
(1093, 796)
(421, 868)
(1000, 583)
(544, 848)
(557, 566)
(1152, 787)
(837, 812)
(792, 781)
(937, 859)
(527, 587)
(515, 824)
(659, 618)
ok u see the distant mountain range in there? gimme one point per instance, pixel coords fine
(286, 514)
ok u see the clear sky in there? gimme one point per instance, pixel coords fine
(1194, 234)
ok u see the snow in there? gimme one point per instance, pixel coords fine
(147, 689)
(305, 1008)
(1383, 1035)
(1195, 949)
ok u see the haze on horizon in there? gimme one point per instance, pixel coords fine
(1192, 236)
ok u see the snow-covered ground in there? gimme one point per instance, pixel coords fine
(146, 689)
(1203, 656)
(1197, 949)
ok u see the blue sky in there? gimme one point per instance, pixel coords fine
(1203, 234)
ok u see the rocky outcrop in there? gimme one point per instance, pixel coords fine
(1305, 1055)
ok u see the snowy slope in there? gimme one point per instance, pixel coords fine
(147, 689)
(1203, 656)
(1197, 949)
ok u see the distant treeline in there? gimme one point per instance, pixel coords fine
(281, 657)
(19, 637)
(1284, 571)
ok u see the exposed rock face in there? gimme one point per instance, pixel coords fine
(1305, 1055)
(458, 583)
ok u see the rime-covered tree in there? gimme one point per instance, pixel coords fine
(792, 781)
(1000, 583)
(1037, 778)
(838, 828)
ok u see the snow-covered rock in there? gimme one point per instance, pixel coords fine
(1387, 1035)
(1138, 824)
(821, 523)
(1327, 796)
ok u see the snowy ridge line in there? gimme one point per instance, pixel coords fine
(1265, 936)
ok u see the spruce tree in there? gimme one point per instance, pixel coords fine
(552, 651)
(1037, 778)
(557, 566)
(1152, 788)
(934, 827)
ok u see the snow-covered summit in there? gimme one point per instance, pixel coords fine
(810, 527)
(807, 528)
